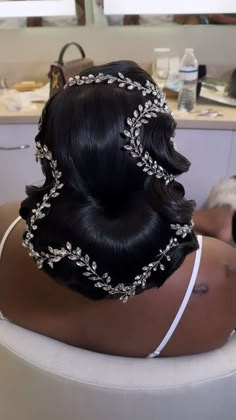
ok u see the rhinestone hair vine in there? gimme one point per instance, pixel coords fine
(141, 116)
(54, 255)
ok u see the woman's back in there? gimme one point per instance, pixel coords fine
(30, 298)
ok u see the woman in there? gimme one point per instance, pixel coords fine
(116, 266)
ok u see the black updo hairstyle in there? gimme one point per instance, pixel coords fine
(108, 207)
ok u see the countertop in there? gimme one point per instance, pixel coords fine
(190, 120)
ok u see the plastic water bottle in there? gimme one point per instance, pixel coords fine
(188, 73)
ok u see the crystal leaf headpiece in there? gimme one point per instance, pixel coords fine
(141, 116)
(54, 255)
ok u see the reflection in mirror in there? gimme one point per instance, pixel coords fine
(54, 13)
(79, 19)
(92, 12)
(153, 7)
(161, 19)
(154, 12)
(226, 19)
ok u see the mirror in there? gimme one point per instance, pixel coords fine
(152, 12)
(19, 8)
(153, 7)
(113, 12)
(13, 13)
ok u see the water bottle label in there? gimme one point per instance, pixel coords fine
(188, 73)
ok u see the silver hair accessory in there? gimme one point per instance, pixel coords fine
(55, 255)
(140, 116)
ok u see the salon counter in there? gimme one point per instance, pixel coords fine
(20, 117)
(227, 121)
(209, 143)
(193, 120)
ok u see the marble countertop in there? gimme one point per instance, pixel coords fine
(192, 120)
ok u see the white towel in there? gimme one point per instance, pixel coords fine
(223, 194)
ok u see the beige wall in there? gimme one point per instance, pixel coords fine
(27, 53)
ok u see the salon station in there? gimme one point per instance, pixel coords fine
(207, 134)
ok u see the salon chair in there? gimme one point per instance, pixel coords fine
(43, 379)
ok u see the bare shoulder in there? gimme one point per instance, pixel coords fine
(217, 279)
(8, 213)
(218, 259)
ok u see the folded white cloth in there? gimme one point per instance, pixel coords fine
(223, 194)
(15, 101)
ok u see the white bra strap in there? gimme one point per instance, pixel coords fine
(184, 303)
(7, 233)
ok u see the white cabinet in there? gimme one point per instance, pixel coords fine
(17, 162)
(209, 152)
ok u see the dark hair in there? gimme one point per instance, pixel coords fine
(108, 207)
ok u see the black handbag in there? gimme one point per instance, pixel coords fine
(61, 71)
